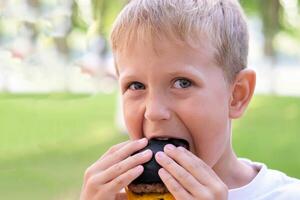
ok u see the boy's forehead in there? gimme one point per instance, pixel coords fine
(167, 51)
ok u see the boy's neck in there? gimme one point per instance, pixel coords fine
(232, 171)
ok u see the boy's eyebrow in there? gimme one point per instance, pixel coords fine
(187, 69)
(191, 70)
(125, 77)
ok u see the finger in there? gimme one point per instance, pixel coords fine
(173, 186)
(200, 170)
(202, 163)
(194, 165)
(114, 149)
(93, 168)
(121, 167)
(187, 181)
(116, 156)
(123, 153)
(123, 180)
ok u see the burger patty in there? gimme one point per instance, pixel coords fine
(148, 188)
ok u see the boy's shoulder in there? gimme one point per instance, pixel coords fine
(284, 187)
(289, 191)
(268, 184)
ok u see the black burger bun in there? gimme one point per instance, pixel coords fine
(150, 174)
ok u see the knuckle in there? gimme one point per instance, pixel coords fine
(112, 149)
(91, 183)
(134, 159)
(119, 182)
(207, 195)
(176, 187)
(131, 175)
(117, 154)
(118, 167)
(194, 165)
(87, 173)
(182, 175)
(168, 178)
(220, 190)
(168, 162)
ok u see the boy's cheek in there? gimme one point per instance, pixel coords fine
(134, 123)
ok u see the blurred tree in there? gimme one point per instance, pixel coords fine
(62, 28)
(34, 5)
(272, 15)
(77, 21)
(104, 13)
(269, 11)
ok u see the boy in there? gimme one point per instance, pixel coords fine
(181, 66)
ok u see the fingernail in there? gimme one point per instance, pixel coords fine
(182, 149)
(146, 152)
(160, 154)
(142, 141)
(170, 147)
(139, 168)
(161, 171)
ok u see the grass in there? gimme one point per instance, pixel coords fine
(47, 141)
(269, 133)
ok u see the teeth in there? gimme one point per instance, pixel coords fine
(163, 138)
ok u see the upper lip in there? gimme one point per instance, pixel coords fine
(158, 136)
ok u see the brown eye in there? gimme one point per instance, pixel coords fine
(136, 86)
(182, 83)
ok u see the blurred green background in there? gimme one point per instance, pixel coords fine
(47, 141)
(58, 96)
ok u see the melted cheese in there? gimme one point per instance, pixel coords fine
(152, 196)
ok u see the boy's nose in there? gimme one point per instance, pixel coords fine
(156, 110)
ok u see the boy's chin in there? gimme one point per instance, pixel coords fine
(150, 196)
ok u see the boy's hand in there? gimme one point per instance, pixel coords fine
(114, 170)
(121, 196)
(187, 177)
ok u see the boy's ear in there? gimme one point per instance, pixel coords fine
(242, 91)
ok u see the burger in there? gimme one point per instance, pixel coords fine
(149, 186)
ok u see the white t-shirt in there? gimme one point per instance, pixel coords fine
(267, 185)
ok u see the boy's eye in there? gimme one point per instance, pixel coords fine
(182, 83)
(136, 86)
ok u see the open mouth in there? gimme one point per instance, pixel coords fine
(169, 140)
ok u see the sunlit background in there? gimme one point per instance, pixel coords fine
(59, 103)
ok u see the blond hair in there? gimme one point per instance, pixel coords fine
(222, 22)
